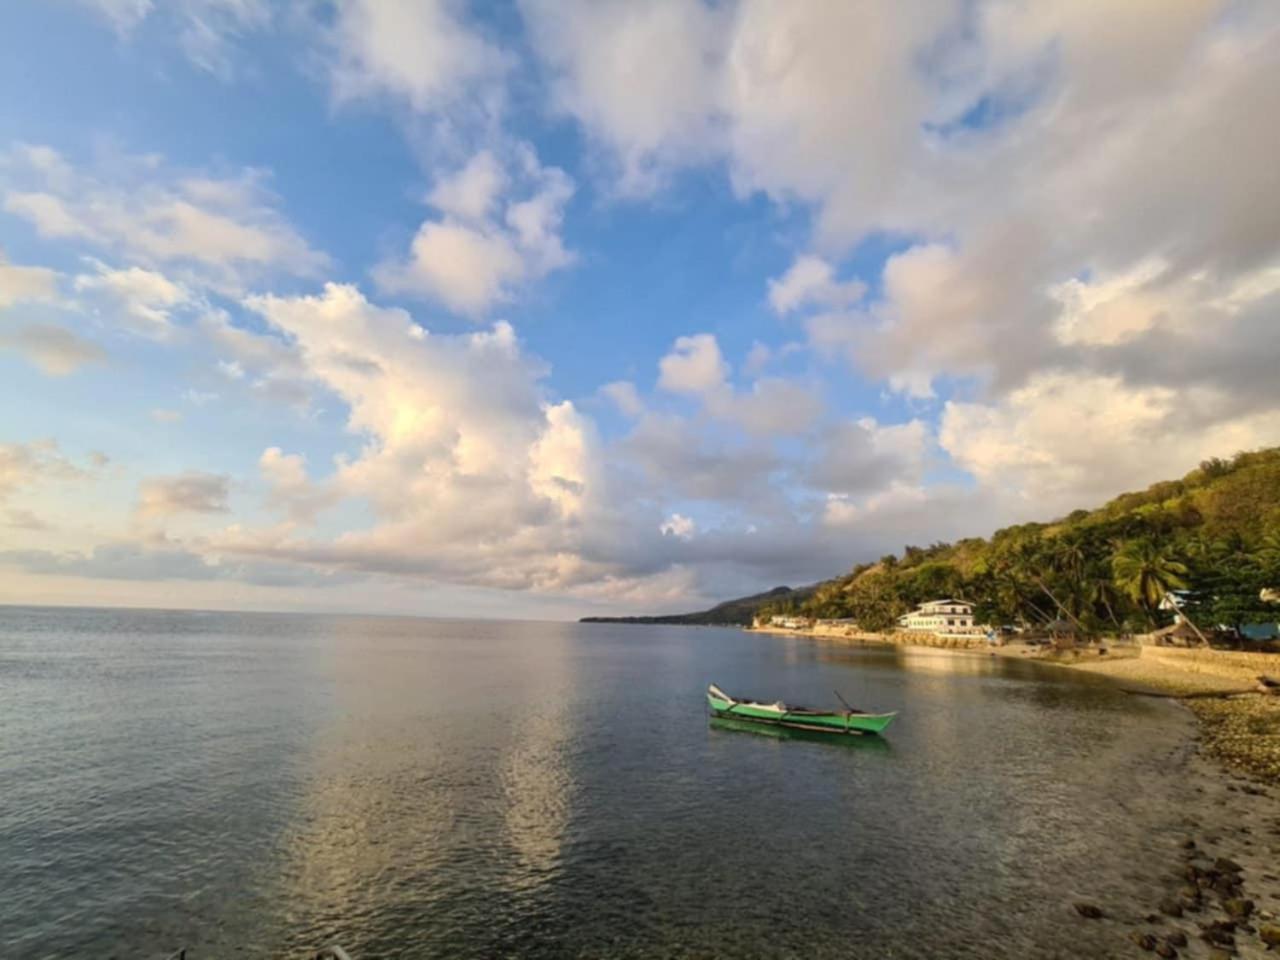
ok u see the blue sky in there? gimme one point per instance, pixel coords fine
(540, 309)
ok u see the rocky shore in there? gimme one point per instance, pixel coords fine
(1219, 886)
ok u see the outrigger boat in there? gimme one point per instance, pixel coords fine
(847, 721)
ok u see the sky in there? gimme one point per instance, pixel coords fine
(549, 308)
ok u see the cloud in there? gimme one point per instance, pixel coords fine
(625, 397)
(694, 365)
(190, 492)
(54, 350)
(810, 281)
(1066, 440)
(25, 465)
(421, 51)
(144, 299)
(206, 29)
(24, 284)
(163, 415)
(679, 526)
(863, 457)
(163, 563)
(484, 246)
(289, 488)
(474, 475)
(224, 230)
(600, 57)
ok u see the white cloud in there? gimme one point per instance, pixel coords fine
(476, 254)
(190, 492)
(54, 350)
(694, 365)
(23, 465)
(25, 284)
(290, 489)
(472, 192)
(602, 57)
(145, 299)
(418, 50)
(473, 474)
(1067, 440)
(625, 397)
(163, 415)
(223, 230)
(679, 526)
(810, 281)
(206, 30)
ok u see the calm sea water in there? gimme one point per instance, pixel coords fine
(259, 785)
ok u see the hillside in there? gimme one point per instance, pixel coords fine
(1214, 535)
(730, 613)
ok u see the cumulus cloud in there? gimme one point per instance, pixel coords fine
(225, 230)
(24, 283)
(421, 51)
(289, 488)
(190, 492)
(601, 58)
(144, 300)
(1065, 440)
(55, 350)
(810, 281)
(486, 244)
(473, 473)
(694, 365)
(24, 465)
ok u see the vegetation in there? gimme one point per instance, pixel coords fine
(1214, 536)
(730, 613)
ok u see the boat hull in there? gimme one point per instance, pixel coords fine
(838, 723)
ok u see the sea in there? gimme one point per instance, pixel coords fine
(262, 785)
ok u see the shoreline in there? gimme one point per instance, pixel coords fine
(1238, 727)
(1220, 880)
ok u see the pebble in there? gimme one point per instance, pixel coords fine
(1089, 911)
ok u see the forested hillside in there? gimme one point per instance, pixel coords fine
(1215, 533)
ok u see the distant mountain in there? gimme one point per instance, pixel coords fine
(730, 613)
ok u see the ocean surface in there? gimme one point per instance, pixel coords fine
(255, 785)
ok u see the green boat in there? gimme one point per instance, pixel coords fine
(848, 721)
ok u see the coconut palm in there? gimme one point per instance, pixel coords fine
(1146, 572)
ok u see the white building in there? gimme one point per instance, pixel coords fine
(941, 616)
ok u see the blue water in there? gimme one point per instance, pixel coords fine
(260, 785)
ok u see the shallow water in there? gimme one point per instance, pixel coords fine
(417, 788)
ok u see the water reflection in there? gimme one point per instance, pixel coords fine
(536, 776)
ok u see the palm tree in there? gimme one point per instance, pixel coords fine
(1146, 573)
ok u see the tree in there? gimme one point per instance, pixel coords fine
(1145, 572)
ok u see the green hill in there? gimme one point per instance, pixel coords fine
(730, 613)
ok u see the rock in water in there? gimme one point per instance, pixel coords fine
(1089, 911)
(1166, 951)
(1145, 940)
(1176, 939)
(1270, 934)
(1237, 909)
(1227, 865)
(1171, 908)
